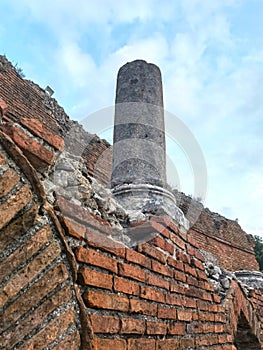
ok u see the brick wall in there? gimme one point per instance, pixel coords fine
(37, 123)
(38, 296)
(155, 295)
(224, 238)
(67, 283)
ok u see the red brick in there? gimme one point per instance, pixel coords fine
(172, 225)
(197, 283)
(163, 244)
(190, 270)
(38, 154)
(224, 338)
(199, 256)
(177, 241)
(177, 288)
(158, 227)
(187, 343)
(132, 272)
(152, 294)
(3, 106)
(143, 307)
(193, 242)
(125, 286)
(197, 328)
(179, 276)
(26, 251)
(190, 250)
(198, 264)
(207, 340)
(2, 159)
(93, 257)
(14, 204)
(7, 181)
(166, 312)
(188, 302)
(157, 281)
(204, 316)
(97, 240)
(184, 315)
(208, 286)
(43, 132)
(108, 344)
(141, 344)
(216, 298)
(94, 278)
(137, 258)
(159, 242)
(103, 300)
(74, 228)
(81, 214)
(197, 293)
(72, 342)
(35, 293)
(151, 251)
(132, 326)
(169, 248)
(176, 328)
(220, 318)
(29, 272)
(201, 275)
(219, 328)
(183, 257)
(25, 326)
(173, 299)
(162, 269)
(167, 344)
(51, 331)
(154, 327)
(178, 265)
(105, 324)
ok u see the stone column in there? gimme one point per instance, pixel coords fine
(139, 139)
(139, 158)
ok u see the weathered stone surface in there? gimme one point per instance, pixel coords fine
(139, 158)
(14, 204)
(139, 140)
(252, 279)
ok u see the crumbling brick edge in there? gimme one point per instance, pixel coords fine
(31, 174)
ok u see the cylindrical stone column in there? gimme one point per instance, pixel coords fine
(138, 179)
(139, 138)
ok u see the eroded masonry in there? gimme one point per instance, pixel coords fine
(99, 255)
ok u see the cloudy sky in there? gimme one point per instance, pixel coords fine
(210, 53)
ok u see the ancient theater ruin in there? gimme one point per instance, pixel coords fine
(101, 254)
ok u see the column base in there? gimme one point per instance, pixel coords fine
(149, 199)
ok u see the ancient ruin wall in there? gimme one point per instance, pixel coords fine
(222, 237)
(70, 285)
(37, 113)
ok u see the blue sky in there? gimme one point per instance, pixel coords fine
(211, 57)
